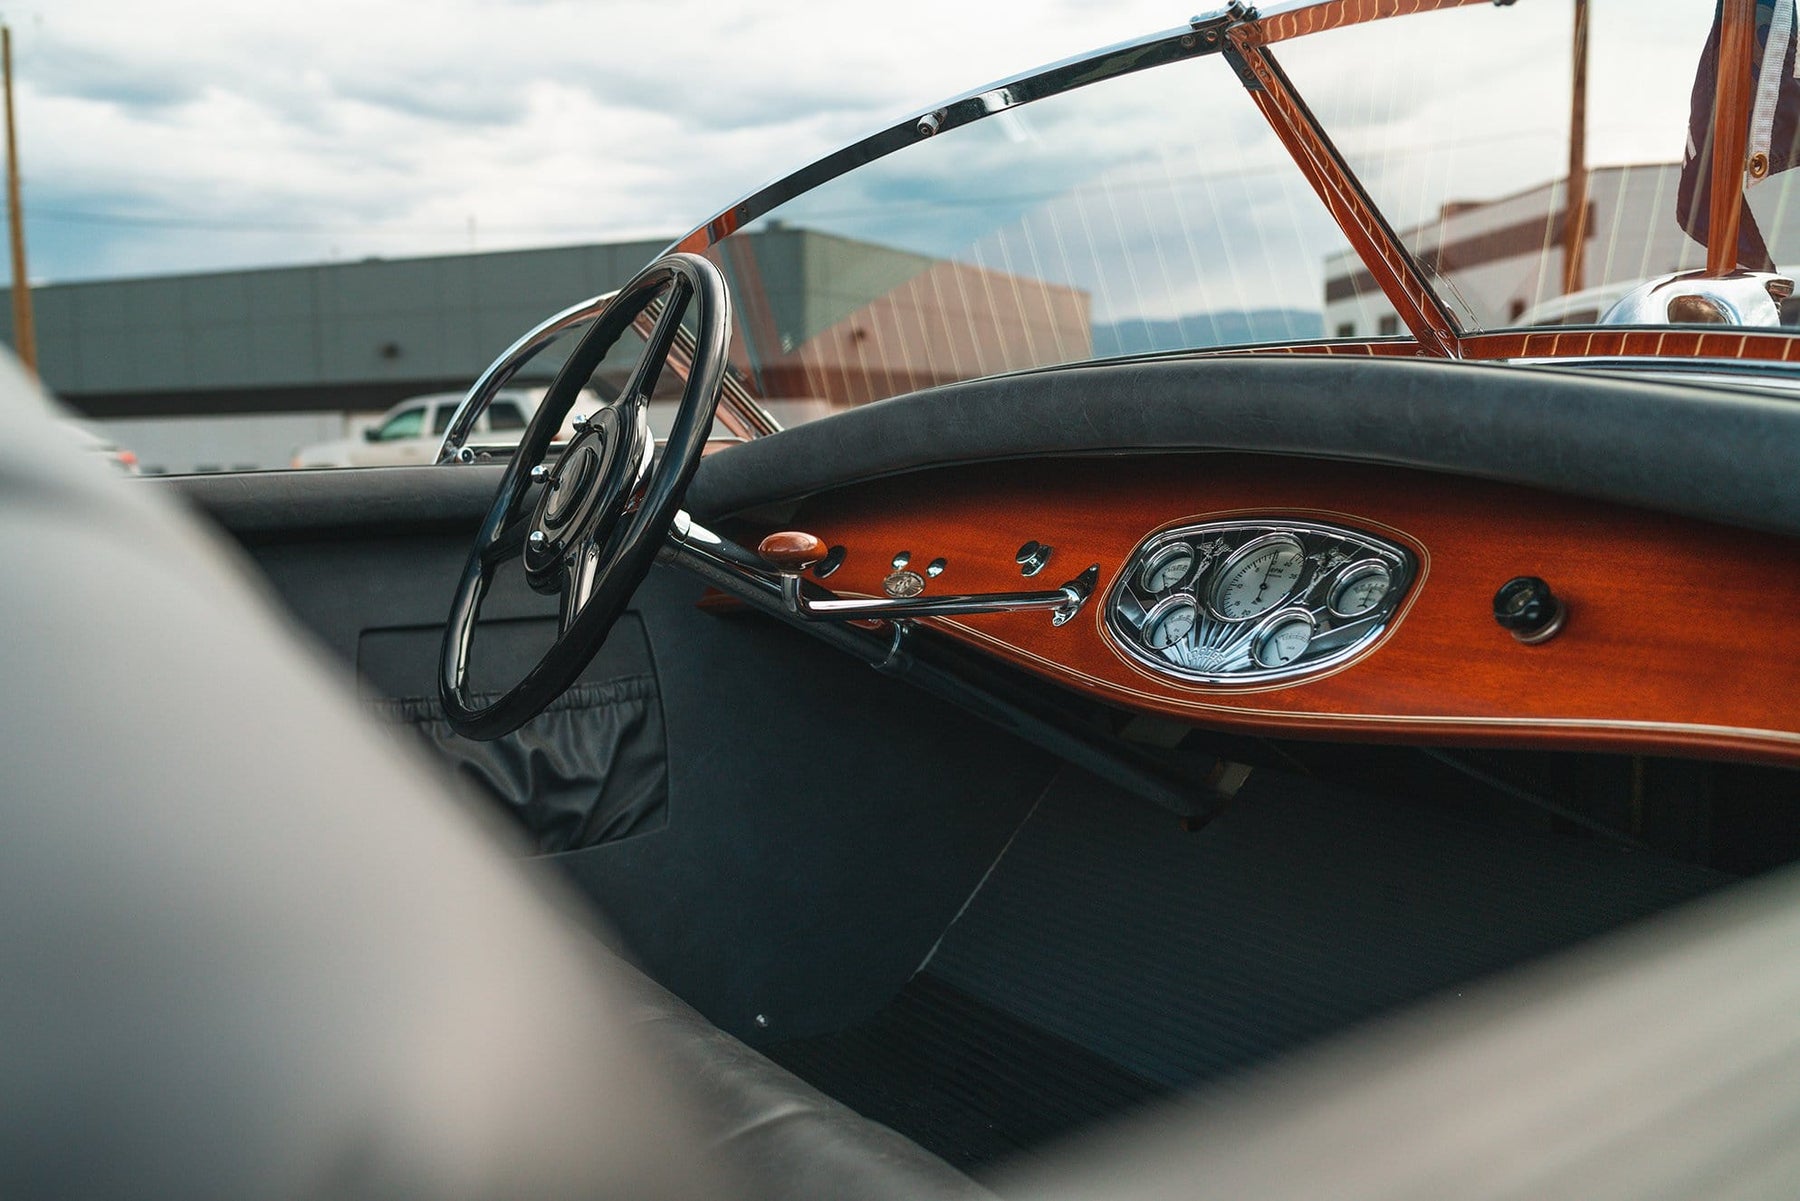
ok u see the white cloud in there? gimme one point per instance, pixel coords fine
(242, 131)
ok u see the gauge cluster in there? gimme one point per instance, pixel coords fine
(1240, 602)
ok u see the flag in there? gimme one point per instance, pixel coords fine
(1774, 138)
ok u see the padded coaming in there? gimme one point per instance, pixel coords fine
(1711, 453)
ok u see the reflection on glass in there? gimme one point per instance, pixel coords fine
(1153, 212)
(1458, 123)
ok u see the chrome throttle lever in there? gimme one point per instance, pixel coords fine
(791, 553)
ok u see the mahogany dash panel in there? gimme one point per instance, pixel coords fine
(1679, 637)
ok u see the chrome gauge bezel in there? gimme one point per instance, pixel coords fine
(1225, 651)
(1354, 573)
(1156, 562)
(1215, 604)
(1280, 618)
(1160, 611)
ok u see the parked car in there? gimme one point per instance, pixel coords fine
(411, 432)
(1333, 767)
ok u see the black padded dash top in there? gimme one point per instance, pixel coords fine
(1702, 452)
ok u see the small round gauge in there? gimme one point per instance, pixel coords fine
(1167, 567)
(1360, 588)
(1257, 577)
(1284, 639)
(1169, 623)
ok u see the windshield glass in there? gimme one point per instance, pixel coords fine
(1155, 211)
(1543, 163)
(1466, 127)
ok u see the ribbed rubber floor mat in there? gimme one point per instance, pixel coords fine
(962, 1078)
(1109, 945)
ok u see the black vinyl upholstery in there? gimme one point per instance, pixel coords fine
(1626, 440)
(787, 1137)
(252, 946)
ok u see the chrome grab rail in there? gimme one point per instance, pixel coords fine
(688, 539)
(1065, 602)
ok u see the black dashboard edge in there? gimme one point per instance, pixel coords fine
(1714, 454)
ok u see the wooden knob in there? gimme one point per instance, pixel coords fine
(792, 551)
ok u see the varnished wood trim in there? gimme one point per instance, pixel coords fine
(1651, 660)
(1336, 14)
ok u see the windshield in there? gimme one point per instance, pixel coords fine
(1539, 163)
(1155, 211)
(1463, 129)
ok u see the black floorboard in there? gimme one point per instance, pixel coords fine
(1112, 956)
(963, 1078)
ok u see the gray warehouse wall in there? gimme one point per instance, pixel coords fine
(342, 336)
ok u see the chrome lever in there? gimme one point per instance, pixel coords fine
(790, 554)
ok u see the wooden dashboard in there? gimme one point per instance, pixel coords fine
(1680, 636)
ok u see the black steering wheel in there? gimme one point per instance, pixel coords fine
(603, 510)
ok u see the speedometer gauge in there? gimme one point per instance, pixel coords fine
(1167, 568)
(1258, 577)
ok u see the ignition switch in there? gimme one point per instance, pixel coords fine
(1526, 606)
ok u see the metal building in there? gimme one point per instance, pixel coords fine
(1505, 257)
(237, 370)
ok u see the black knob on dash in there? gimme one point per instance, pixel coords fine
(1526, 606)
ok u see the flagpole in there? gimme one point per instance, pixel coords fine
(1732, 99)
(1576, 202)
(24, 330)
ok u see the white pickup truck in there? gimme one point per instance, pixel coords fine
(412, 430)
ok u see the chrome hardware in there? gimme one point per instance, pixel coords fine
(580, 424)
(1527, 609)
(1032, 557)
(930, 123)
(936, 568)
(538, 539)
(1743, 298)
(688, 539)
(539, 474)
(1077, 590)
(1064, 602)
(1216, 620)
(902, 559)
(903, 584)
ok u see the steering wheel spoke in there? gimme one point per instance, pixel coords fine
(507, 543)
(648, 369)
(606, 505)
(578, 581)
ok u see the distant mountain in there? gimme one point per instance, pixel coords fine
(1193, 331)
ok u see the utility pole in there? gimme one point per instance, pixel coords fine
(24, 330)
(1576, 201)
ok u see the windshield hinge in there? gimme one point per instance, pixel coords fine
(1235, 11)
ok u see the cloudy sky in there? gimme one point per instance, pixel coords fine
(195, 135)
(198, 134)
